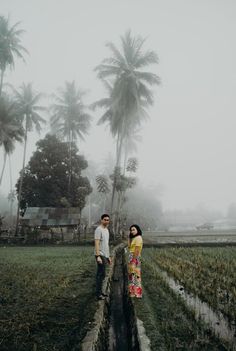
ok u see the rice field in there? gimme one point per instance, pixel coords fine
(209, 273)
(46, 297)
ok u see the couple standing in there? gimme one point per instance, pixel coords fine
(102, 255)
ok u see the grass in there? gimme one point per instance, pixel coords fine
(46, 297)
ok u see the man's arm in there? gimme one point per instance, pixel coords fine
(97, 251)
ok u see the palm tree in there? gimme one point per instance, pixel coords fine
(129, 89)
(130, 145)
(28, 109)
(103, 187)
(10, 128)
(70, 119)
(11, 198)
(10, 45)
(127, 182)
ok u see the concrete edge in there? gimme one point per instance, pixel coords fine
(143, 339)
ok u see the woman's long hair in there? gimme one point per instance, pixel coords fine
(139, 231)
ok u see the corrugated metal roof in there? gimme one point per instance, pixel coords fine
(50, 216)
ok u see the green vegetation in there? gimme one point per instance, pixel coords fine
(46, 297)
(10, 46)
(46, 176)
(169, 324)
(129, 94)
(129, 83)
(209, 273)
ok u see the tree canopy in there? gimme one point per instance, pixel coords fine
(128, 86)
(10, 45)
(46, 176)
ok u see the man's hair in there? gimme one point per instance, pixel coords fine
(105, 215)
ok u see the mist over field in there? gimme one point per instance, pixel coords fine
(186, 148)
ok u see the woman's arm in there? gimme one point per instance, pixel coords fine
(136, 251)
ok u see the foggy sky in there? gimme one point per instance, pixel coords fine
(188, 144)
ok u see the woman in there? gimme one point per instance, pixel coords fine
(135, 245)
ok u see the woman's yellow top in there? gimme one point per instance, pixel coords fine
(137, 241)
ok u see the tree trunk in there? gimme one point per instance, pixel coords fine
(1, 81)
(89, 211)
(3, 168)
(21, 178)
(118, 157)
(104, 203)
(70, 165)
(11, 190)
(117, 223)
(125, 161)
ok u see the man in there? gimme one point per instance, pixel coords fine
(102, 253)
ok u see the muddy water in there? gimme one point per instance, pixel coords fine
(217, 322)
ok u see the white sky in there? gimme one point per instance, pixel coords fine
(189, 142)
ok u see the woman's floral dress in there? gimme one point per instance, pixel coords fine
(134, 268)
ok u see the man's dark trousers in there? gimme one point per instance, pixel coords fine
(101, 273)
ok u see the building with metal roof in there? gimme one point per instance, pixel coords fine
(51, 217)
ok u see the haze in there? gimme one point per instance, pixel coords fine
(188, 144)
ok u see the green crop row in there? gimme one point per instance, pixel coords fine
(209, 273)
(169, 324)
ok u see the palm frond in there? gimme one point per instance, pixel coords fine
(117, 55)
(69, 113)
(148, 77)
(149, 58)
(103, 103)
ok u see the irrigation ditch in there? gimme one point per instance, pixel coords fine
(116, 326)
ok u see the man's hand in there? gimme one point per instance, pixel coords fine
(109, 260)
(99, 260)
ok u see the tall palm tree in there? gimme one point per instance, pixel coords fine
(70, 120)
(10, 46)
(130, 145)
(130, 88)
(27, 102)
(10, 128)
(11, 198)
(103, 187)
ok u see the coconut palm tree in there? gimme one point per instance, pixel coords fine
(130, 145)
(70, 120)
(27, 103)
(103, 187)
(10, 46)
(129, 86)
(11, 198)
(10, 128)
(129, 89)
